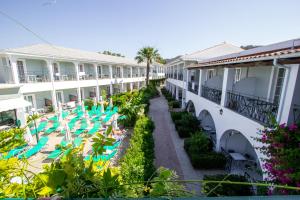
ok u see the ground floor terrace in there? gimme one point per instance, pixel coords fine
(232, 134)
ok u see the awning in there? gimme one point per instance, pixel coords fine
(10, 104)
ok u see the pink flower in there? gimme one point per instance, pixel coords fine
(270, 192)
(293, 127)
(264, 138)
(282, 125)
(298, 184)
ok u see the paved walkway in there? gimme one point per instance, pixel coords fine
(169, 151)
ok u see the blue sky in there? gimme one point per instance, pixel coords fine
(173, 26)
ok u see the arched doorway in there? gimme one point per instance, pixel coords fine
(190, 107)
(242, 155)
(208, 125)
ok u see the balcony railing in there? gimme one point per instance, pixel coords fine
(191, 89)
(65, 77)
(211, 94)
(252, 107)
(103, 76)
(87, 77)
(34, 77)
(296, 113)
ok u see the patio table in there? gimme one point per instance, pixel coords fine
(236, 166)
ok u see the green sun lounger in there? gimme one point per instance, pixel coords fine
(112, 147)
(57, 152)
(77, 141)
(65, 114)
(14, 152)
(105, 157)
(34, 150)
(53, 128)
(54, 118)
(95, 128)
(82, 128)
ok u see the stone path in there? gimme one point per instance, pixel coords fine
(169, 151)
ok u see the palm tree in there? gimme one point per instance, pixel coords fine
(149, 55)
(33, 118)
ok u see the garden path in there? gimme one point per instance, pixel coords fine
(169, 151)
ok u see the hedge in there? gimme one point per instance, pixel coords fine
(174, 104)
(226, 189)
(137, 164)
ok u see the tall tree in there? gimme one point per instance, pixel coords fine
(149, 55)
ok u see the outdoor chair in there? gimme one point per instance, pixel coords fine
(34, 150)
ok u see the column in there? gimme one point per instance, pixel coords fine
(139, 72)
(177, 93)
(131, 86)
(78, 85)
(53, 91)
(97, 83)
(228, 80)
(122, 71)
(177, 72)
(14, 70)
(110, 72)
(131, 71)
(201, 79)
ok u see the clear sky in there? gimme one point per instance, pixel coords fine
(173, 26)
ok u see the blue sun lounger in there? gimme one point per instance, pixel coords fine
(34, 150)
(14, 152)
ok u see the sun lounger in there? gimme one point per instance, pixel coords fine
(95, 128)
(77, 141)
(34, 150)
(82, 128)
(15, 152)
(53, 128)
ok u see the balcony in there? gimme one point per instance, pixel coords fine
(33, 77)
(251, 107)
(103, 76)
(180, 77)
(211, 94)
(86, 76)
(193, 88)
(64, 77)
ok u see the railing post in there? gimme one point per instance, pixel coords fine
(228, 80)
(200, 81)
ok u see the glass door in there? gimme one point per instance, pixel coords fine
(279, 84)
(31, 99)
(59, 97)
(21, 71)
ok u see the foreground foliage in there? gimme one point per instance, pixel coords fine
(137, 164)
(185, 123)
(281, 147)
(213, 189)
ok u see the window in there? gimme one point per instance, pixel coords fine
(210, 74)
(237, 76)
(8, 117)
(81, 68)
(279, 84)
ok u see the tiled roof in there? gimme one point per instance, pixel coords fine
(214, 51)
(285, 49)
(57, 52)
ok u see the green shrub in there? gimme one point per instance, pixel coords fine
(198, 144)
(209, 160)
(185, 123)
(174, 104)
(214, 189)
(89, 103)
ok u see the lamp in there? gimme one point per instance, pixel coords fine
(221, 111)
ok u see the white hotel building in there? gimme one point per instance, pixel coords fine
(45, 75)
(233, 91)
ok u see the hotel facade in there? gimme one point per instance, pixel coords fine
(38, 77)
(234, 92)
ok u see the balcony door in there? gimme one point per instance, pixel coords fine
(21, 70)
(56, 71)
(99, 71)
(59, 97)
(279, 85)
(30, 98)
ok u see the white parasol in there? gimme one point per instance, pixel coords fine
(28, 137)
(82, 106)
(68, 134)
(110, 102)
